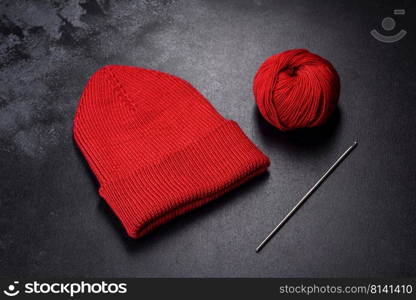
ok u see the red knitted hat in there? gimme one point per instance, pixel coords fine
(158, 147)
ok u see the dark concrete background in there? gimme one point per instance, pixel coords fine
(361, 222)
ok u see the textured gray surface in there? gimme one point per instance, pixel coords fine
(361, 222)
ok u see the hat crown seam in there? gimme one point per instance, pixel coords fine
(119, 89)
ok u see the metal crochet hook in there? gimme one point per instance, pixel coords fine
(307, 195)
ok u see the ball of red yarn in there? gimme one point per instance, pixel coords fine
(296, 89)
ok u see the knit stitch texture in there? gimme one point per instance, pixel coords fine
(157, 147)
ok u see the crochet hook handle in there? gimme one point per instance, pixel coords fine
(307, 195)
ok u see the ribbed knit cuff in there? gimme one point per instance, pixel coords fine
(189, 178)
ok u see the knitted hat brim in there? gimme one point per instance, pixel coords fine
(201, 172)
